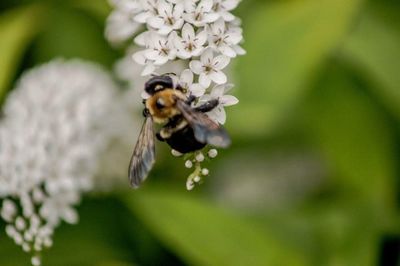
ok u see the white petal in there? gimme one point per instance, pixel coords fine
(201, 38)
(205, 98)
(239, 50)
(207, 56)
(183, 54)
(228, 100)
(210, 17)
(220, 62)
(165, 29)
(197, 51)
(149, 69)
(218, 26)
(205, 5)
(139, 58)
(178, 11)
(197, 90)
(171, 39)
(230, 4)
(155, 22)
(218, 91)
(142, 17)
(227, 87)
(218, 77)
(151, 54)
(161, 60)
(228, 51)
(186, 77)
(196, 66)
(220, 115)
(204, 80)
(164, 8)
(142, 39)
(234, 37)
(178, 24)
(188, 32)
(227, 16)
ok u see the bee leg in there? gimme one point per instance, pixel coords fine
(190, 99)
(207, 106)
(158, 136)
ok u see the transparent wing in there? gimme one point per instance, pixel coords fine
(205, 130)
(143, 156)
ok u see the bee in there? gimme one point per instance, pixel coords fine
(185, 128)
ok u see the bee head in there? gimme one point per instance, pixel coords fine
(158, 83)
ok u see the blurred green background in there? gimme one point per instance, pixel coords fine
(313, 175)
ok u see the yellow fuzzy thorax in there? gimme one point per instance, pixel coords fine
(168, 97)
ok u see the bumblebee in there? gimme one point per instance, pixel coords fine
(185, 128)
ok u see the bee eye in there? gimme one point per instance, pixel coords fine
(160, 104)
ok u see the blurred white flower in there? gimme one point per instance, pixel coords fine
(209, 68)
(120, 24)
(57, 124)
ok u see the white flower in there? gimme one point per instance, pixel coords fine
(140, 58)
(131, 71)
(212, 153)
(57, 123)
(190, 44)
(218, 114)
(161, 49)
(148, 10)
(223, 40)
(201, 14)
(185, 3)
(209, 68)
(169, 18)
(222, 8)
(186, 83)
(120, 24)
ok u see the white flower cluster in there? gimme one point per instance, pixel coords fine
(202, 35)
(56, 123)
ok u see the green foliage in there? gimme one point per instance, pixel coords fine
(374, 48)
(17, 28)
(286, 42)
(205, 235)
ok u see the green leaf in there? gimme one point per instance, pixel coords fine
(73, 34)
(374, 48)
(286, 42)
(203, 234)
(17, 28)
(98, 8)
(355, 138)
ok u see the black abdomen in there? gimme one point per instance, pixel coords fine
(184, 141)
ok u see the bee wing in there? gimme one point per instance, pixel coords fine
(143, 156)
(205, 130)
